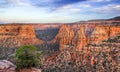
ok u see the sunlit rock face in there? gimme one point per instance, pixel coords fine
(64, 36)
(26, 31)
(99, 33)
(69, 36)
(79, 35)
(104, 32)
(79, 40)
(114, 30)
(17, 31)
(16, 35)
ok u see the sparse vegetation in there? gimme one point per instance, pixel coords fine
(27, 57)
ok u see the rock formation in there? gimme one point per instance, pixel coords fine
(64, 36)
(79, 35)
(79, 40)
(6, 66)
(17, 35)
(17, 31)
(104, 32)
(30, 70)
(102, 57)
(99, 33)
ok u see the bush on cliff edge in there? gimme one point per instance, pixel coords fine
(27, 57)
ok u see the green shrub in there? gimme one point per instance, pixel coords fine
(27, 57)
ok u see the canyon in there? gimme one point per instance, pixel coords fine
(75, 35)
(84, 46)
(79, 35)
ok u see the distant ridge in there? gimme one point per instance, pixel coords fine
(92, 20)
(115, 18)
(100, 20)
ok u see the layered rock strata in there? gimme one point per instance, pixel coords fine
(17, 35)
(80, 35)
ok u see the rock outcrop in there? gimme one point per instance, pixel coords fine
(99, 33)
(6, 66)
(17, 31)
(30, 70)
(79, 40)
(17, 35)
(103, 32)
(64, 37)
(79, 35)
(93, 58)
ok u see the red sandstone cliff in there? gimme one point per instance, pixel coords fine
(17, 35)
(80, 35)
(64, 36)
(79, 40)
(103, 32)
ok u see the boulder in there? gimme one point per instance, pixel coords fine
(30, 70)
(7, 66)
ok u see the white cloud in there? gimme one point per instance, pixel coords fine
(99, 0)
(117, 7)
(20, 2)
(74, 8)
(66, 7)
(111, 8)
(50, 1)
(85, 5)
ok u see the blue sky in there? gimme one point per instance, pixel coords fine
(57, 11)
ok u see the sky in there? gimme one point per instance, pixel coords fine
(57, 11)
